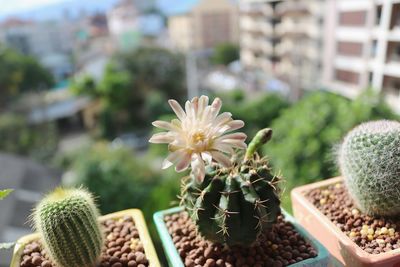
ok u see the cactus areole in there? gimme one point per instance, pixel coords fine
(66, 220)
(369, 160)
(234, 205)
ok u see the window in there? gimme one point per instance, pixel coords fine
(374, 48)
(349, 48)
(395, 20)
(393, 51)
(378, 15)
(352, 18)
(347, 76)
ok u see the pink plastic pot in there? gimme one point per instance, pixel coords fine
(344, 251)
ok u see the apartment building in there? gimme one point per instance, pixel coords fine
(284, 40)
(203, 24)
(362, 47)
(258, 39)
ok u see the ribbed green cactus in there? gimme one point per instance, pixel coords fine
(369, 160)
(66, 219)
(234, 205)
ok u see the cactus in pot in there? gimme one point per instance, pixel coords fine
(369, 160)
(231, 197)
(234, 205)
(66, 220)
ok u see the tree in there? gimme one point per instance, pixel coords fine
(257, 112)
(135, 88)
(225, 53)
(19, 73)
(155, 69)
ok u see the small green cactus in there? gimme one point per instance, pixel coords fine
(369, 160)
(234, 205)
(66, 220)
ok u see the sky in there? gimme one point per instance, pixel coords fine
(8, 7)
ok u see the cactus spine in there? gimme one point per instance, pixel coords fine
(369, 160)
(234, 205)
(66, 220)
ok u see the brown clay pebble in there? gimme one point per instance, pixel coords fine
(274, 249)
(117, 251)
(374, 235)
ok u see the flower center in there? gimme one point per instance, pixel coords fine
(198, 137)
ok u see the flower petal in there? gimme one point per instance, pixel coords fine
(184, 162)
(221, 158)
(222, 119)
(203, 102)
(165, 125)
(172, 158)
(234, 125)
(177, 109)
(161, 138)
(234, 136)
(198, 168)
(235, 143)
(216, 107)
(207, 157)
(223, 147)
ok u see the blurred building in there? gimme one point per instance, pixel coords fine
(203, 24)
(51, 42)
(362, 47)
(283, 39)
(92, 45)
(123, 22)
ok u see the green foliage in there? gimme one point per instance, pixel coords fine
(306, 133)
(225, 53)
(113, 173)
(66, 220)
(84, 86)
(19, 73)
(155, 69)
(235, 205)
(4, 193)
(18, 137)
(257, 112)
(135, 88)
(369, 159)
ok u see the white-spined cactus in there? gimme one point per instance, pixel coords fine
(369, 160)
(66, 220)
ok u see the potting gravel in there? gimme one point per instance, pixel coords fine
(280, 246)
(122, 247)
(375, 235)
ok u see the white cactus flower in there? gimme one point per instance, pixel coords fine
(199, 135)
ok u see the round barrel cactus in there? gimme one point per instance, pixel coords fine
(369, 160)
(234, 205)
(66, 220)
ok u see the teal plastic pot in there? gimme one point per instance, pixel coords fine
(174, 259)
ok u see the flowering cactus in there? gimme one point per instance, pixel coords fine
(231, 200)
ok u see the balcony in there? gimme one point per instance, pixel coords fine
(255, 26)
(293, 8)
(304, 28)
